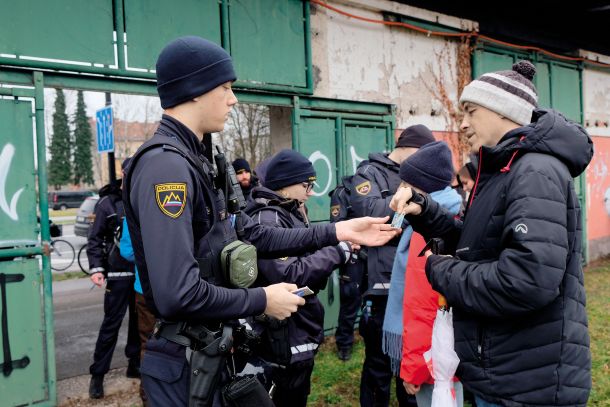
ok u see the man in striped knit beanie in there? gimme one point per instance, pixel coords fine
(513, 275)
(509, 94)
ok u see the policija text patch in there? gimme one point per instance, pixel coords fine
(364, 188)
(171, 198)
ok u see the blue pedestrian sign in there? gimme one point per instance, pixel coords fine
(105, 130)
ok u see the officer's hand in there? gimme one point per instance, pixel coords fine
(399, 202)
(97, 279)
(366, 231)
(280, 301)
(411, 388)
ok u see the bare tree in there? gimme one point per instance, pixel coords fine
(247, 134)
(447, 84)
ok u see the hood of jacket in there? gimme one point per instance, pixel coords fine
(549, 133)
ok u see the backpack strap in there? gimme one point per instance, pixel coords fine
(285, 216)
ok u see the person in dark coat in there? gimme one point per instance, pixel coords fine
(373, 186)
(119, 296)
(289, 183)
(515, 278)
(244, 176)
(179, 224)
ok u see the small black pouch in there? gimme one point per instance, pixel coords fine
(246, 391)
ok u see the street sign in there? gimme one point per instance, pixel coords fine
(105, 130)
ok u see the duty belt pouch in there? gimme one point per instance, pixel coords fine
(246, 391)
(238, 262)
(277, 337)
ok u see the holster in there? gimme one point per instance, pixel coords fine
(246, 391)
(206, 363)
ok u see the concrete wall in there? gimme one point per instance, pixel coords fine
(596, 97)
(359, 60)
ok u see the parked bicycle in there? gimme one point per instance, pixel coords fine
(83, 260)
(62, 254)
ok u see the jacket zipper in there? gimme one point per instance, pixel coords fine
(480, 345)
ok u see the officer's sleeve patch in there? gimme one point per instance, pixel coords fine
(334, 210)
(171, 198)
(364, 188)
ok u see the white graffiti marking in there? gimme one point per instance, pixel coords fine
(5, 162)
(318, 155)
(355, 158)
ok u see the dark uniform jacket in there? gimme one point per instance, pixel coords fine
(516, 282)
(168, 218)
(374, 185)
(109, 215)
(306, 326)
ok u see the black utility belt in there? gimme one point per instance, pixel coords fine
(194, 336)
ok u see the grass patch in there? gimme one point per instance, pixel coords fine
(69, 275)
(60, 213)
(597, 282)
(337, 383)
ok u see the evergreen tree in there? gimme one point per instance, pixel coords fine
(60, 148)
(82, 164)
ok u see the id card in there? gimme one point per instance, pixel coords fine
(397, 220)
(303, 291)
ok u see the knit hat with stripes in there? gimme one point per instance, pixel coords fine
(509, 93)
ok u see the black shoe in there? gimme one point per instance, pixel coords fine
(96, 387)
(133, 369)
(344, 354)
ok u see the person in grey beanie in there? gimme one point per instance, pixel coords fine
(514, 275)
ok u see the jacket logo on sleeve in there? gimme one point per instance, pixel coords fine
(171, 198)
(334, 210)
(364, 188)
(521, 227)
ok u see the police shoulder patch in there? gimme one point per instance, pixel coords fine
(334, 210)
(171, 198)
(364, 188)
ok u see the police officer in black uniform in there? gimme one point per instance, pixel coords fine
(281, 203)
(179, 223)
(106, 264)
(374, 184)
(350, 274)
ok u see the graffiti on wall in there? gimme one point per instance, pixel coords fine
(598, 190)
(6, 157)
(328, 170)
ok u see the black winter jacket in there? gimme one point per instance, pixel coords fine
(109, 215)
(306, 326)
(516, 282)
(373, 187)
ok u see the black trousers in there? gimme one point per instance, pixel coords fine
(119, 297)
(350, 299)
(377, 374)
(293, 384)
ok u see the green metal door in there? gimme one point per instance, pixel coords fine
(336, 142)
(27, 355)
(362, 138)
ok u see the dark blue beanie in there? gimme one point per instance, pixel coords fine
(430, 168)
(189, 67)
(240, 165)
(288, 167)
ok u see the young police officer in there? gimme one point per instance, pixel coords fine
(179, 224)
